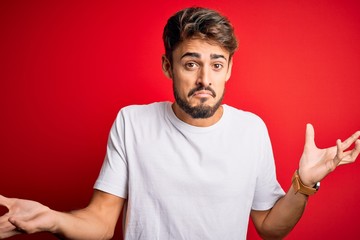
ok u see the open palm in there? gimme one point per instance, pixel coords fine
(24, 216)
(315, 163)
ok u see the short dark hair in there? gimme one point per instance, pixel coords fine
(202, 23)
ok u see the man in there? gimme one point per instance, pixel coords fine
(192, 169)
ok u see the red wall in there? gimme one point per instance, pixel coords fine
(67, 67)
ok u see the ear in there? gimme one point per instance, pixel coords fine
(166, 66)
(228, 74)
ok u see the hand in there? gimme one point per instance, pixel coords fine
(315, 163)
(24, 216)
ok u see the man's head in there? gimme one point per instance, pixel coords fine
(199, 45)
(199, 23)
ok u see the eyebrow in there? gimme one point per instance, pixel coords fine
(216, 56)
(198, 55)
(191, 54)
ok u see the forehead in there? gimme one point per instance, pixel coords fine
(203, 48)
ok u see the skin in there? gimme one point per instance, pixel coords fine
(198, 63)
(189, 70)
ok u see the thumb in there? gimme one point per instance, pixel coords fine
(4, 201)
(17, 224)
(309, 136)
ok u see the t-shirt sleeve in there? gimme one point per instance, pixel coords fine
(268, 189)
(113, 177)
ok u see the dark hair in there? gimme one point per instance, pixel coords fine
(197, 22)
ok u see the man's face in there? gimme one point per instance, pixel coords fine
(199, 72)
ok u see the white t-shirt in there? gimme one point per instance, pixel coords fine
(187, 182)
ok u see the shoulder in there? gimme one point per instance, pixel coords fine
(145, 110)
(142, 114)
(243, 117)
(141, 120)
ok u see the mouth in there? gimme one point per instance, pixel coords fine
(202, 92)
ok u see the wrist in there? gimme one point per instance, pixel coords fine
(304, 180)
(305, 189)
(56, 218)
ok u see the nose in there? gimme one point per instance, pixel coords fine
(203, 78)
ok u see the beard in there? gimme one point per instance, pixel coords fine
(201, 110)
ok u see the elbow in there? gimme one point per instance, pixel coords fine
(108, 237)
(109, 234)
(103, 232)
(273, 235)
(269, 233)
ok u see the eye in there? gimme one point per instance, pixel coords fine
(191, 65)
(218, 66)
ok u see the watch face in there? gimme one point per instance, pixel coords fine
(317, 186)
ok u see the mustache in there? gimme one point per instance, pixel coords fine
(200, 88)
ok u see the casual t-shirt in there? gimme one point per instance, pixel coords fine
(187, 182)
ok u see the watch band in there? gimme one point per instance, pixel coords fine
(301, 188)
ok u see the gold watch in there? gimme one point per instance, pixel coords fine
(301, 188)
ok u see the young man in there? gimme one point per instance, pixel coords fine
(192, 169)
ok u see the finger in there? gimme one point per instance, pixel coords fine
(347, 143)
(16, 223)
(4, 219)
(6, 226)
(357, 145)
(339, 153)
(8, 234)
(350, 156)
(4, 201)
(309, 136)
(22, 226)
(353, 154)
(7, 229)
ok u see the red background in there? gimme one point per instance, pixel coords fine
(67, 67)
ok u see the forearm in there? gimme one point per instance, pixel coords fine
(96, 221)
(82, 224)
(315, 164)
(285, 214)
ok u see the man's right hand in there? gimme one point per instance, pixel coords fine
(25, 216)
(96, 221)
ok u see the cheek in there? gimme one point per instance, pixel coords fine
(219, 82)
(182, 88)
(219, 89)
(183, 83)
(185, 76)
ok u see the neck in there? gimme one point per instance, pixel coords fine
(197, 122)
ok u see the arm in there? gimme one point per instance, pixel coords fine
(96, 221)
(315, 164)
